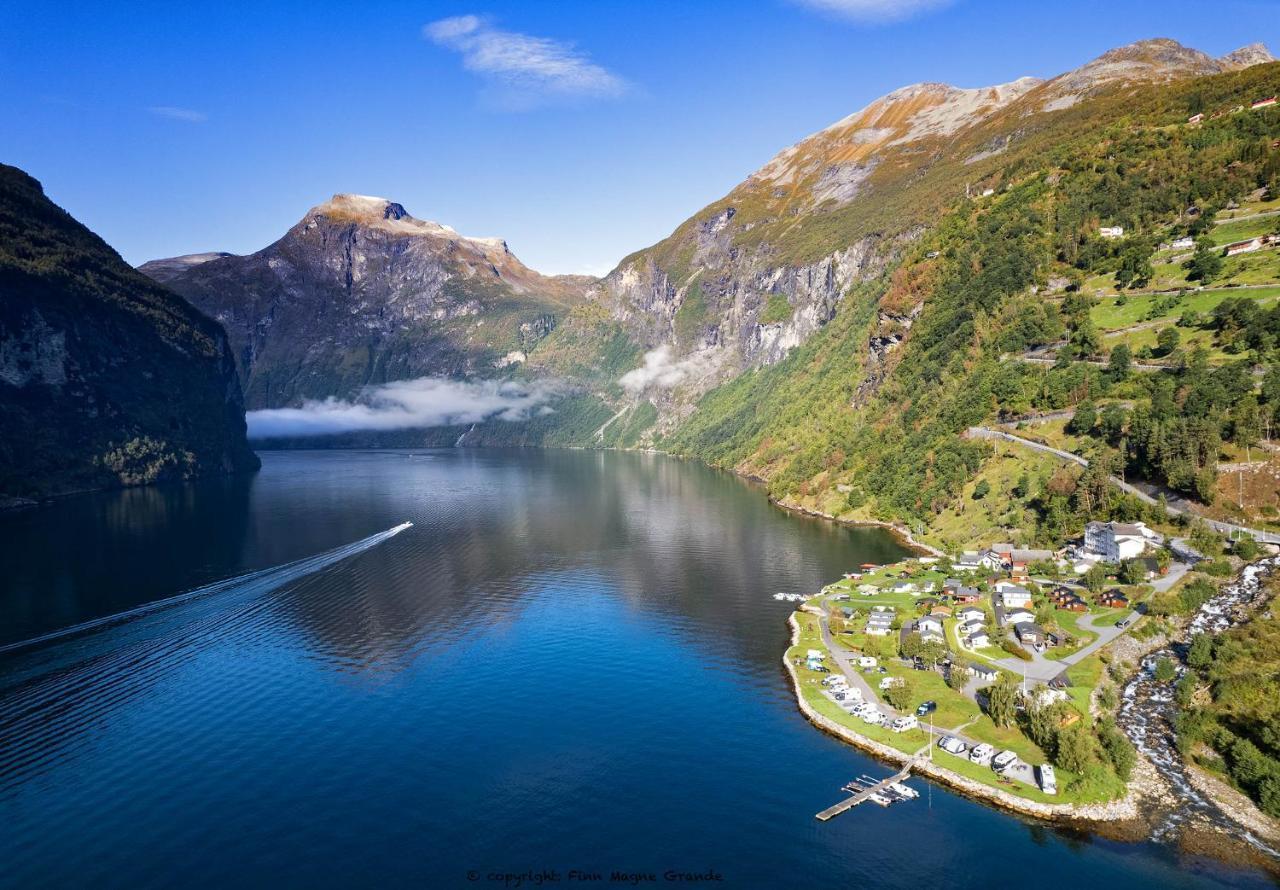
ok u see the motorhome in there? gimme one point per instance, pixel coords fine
(982, 754)
(902, 724)
(1003, 761)
(1048, 781)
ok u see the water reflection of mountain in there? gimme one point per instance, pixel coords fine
(494, 532)
(101, 553)
(704, 549)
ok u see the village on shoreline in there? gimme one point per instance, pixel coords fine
(997, 672)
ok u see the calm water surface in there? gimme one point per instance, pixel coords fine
(571, 661)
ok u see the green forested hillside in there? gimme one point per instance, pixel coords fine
(997, 275)
(1231, 700)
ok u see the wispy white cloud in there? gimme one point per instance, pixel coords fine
(409, 404)
(875, 11)
(525, 71)
(661, 370)
(173, 112)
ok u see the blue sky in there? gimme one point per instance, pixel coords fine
(578, 131)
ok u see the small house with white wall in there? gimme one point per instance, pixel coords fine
(1015, 597)
(1018, 616)
(1029, 633)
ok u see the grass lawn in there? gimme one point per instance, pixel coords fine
(1138, 308)
(1248, 208)
(1069, 622)
(1054, 434)
(1084, 678)
(1260, 267)
(953, 707)
(1190, 337)
(1246, 228)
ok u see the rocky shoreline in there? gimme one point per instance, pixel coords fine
(899, 531)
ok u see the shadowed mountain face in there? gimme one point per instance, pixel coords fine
(106, 378)
(359, 292)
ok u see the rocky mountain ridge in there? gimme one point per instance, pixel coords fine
(752, 276)
(359, 292)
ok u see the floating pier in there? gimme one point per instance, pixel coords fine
(865, 788)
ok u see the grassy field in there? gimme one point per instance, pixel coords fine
(1248, 208)
(1260, 267)
(1188, 339)
(1246, 228)
(1054, 433)
(1111, 314)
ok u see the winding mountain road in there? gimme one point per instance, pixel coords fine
(982, 432)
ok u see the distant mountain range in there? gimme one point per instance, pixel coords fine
(811, 266)
(360, 293)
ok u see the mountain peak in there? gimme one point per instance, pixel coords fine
(1247, 57)
(381, 213)
(1156, 60)
(843, 155)
(363, 206)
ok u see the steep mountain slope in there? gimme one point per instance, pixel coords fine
(754, 275)
(359, 292)
(106, 378)
(865, 419)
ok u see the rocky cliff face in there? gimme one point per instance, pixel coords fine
(757, 273)
(106, 378)
(359, 292)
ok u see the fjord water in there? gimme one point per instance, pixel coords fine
(570, 661)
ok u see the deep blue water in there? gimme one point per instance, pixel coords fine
(571, 661)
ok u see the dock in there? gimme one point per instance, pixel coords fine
(867, 790)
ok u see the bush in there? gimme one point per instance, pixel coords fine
(1186, 689)
(1118, 748)
(1219, 568)
(1002, 701)
(1200, 652)
(1015, 650)
(1077, 748)
(1164, 670)
(901, 694)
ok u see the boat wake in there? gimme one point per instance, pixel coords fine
(57, 688)
(226, 593)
